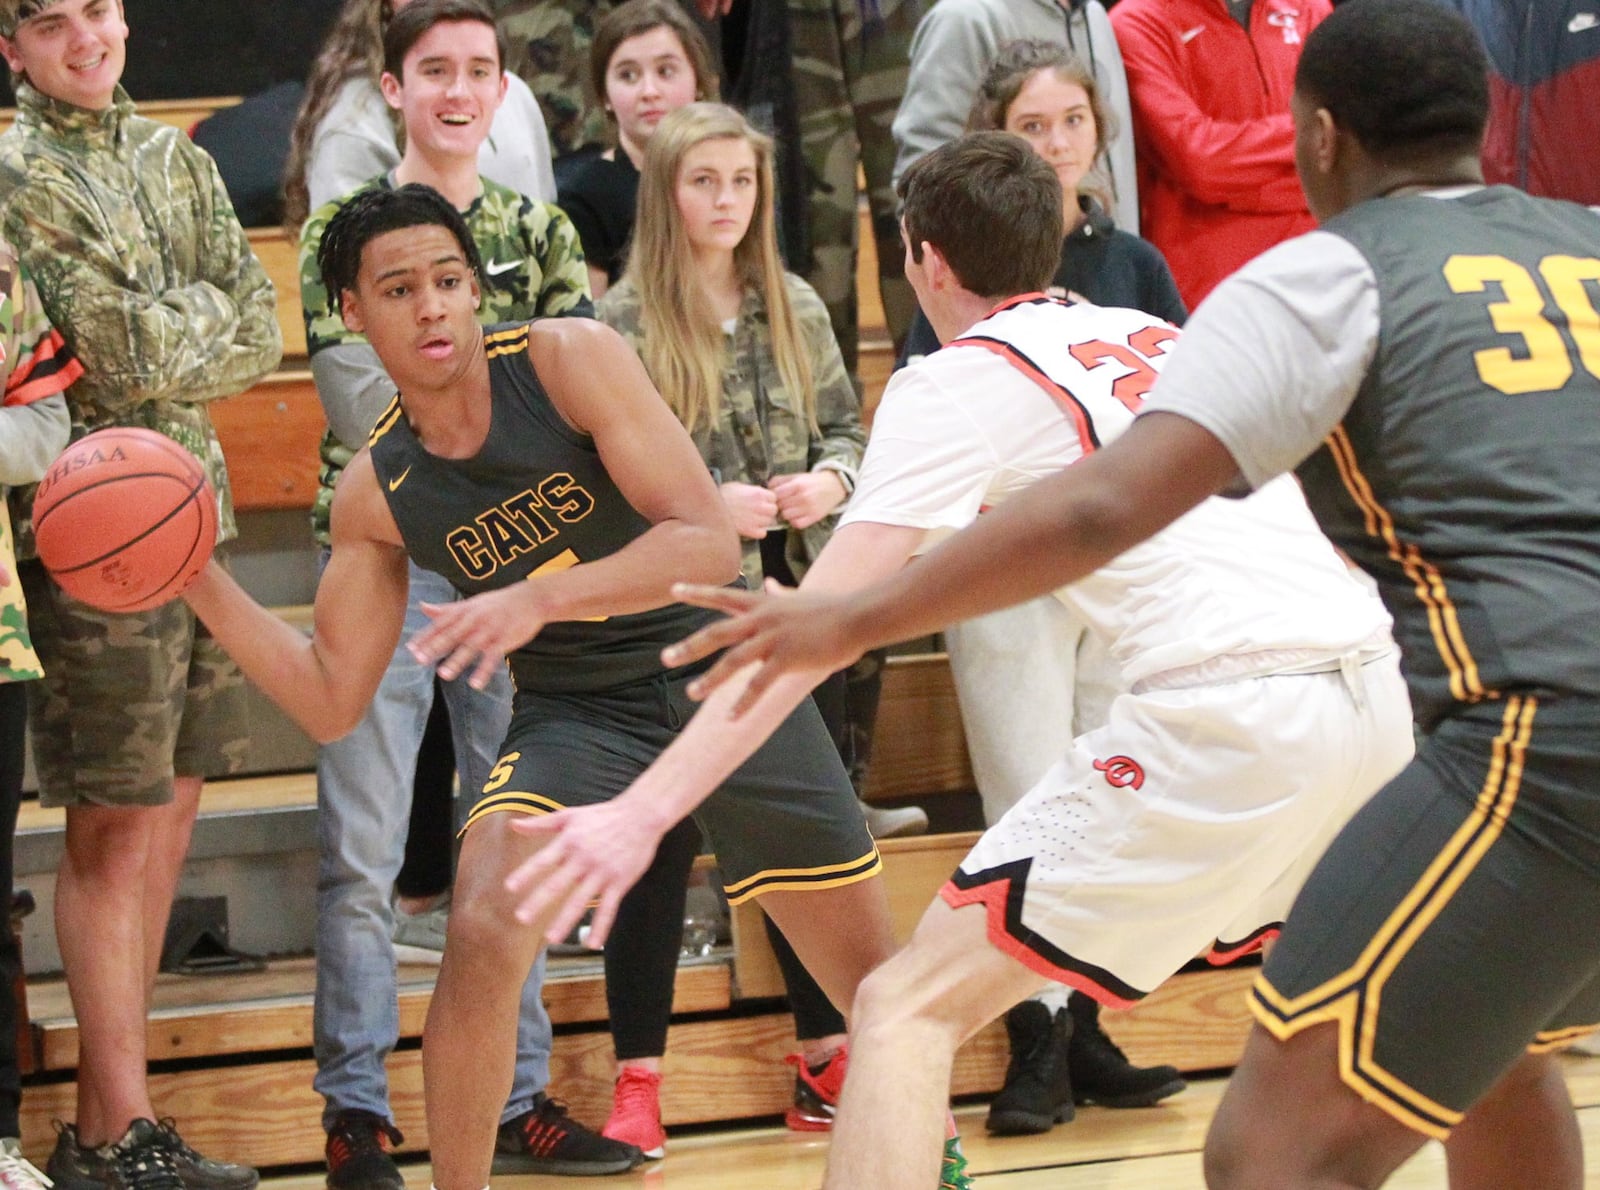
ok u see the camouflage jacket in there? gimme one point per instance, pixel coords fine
(759, 431)
(548, 47)
(140, 262)
(36, 366)
(533, 266)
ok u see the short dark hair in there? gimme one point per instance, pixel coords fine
(1404, 77)
(407, 27)
(993, 208)
(377, 210)
(640, 16)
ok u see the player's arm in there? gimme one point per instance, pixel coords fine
(600, 387)
(1059, 530)
(323, 683)
(594, 854)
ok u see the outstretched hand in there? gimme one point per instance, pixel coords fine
(774, 632)
(592, 855)
(478, 632)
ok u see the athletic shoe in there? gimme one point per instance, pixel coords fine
(141, 1160)
(886, 823)
(16, 1171)
(358, 1152)
(202, 1173)
(1101, 1073)
(1038, 1090)
(816, 1092)
(953, 1173)
(71, 1166)
(636, 1112)
(419, 937)
(545, 1139)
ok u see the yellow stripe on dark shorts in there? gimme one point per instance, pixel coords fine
(1353, 998)
(804, 879)
(511, 802)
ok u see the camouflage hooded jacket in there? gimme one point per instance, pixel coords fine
(127, 231)
(533, 267)
(759, 431)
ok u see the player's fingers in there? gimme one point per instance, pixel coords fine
(729, 664)
(462, 656)
(570, 903)
(605, 915)
(759, 681)
(706, 641)
(488, 666)
(731, 600)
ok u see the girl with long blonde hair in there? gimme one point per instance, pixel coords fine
(744, 354)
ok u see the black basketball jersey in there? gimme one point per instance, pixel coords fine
(535, 499)
(1466, 476)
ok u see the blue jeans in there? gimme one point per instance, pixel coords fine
(364, 784)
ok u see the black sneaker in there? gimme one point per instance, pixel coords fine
(199, 1172)
(1101, 1073)
(358, 1152)
(72, 1167)
(1038, 1091)
(545, 1139)
(140, 1160)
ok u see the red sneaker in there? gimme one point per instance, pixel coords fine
(636, 1112)
(816, 1092)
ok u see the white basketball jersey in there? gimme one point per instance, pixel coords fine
(1041, 383)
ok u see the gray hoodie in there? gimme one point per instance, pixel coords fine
(958, 39)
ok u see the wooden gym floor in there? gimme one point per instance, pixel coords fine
(1147, 1149)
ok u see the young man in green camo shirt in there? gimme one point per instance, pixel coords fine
(141, 264)
(444, 74)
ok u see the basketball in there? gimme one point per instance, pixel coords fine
(124, 519)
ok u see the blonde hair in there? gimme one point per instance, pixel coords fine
(683, 342)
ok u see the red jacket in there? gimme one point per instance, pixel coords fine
(1211, 126)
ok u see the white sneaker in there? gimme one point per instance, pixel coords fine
(16, 1171)
(419, 937)
(886, 823)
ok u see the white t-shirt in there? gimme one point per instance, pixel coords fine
(969, 426)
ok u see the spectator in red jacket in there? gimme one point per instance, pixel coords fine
(1209, 83)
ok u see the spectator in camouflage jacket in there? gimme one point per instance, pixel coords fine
(141, 264)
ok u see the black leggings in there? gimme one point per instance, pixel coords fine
(429, 866)
(642, 952)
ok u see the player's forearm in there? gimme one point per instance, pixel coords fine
(273, 654)
(639, 577)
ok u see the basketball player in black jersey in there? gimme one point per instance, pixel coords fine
(1429, 361)
(536, 468)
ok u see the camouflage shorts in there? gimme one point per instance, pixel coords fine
(127, 701)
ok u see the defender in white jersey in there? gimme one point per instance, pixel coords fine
(1266, 702)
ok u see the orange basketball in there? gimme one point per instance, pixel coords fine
(124, 519)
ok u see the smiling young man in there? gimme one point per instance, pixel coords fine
(443, 75)
(140, 262)
(536, 468)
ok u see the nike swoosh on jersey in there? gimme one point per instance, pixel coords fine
(1584, 20)
(494, 268)
(1189, 35)
(394, 484)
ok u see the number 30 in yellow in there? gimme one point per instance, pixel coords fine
(1548, 362)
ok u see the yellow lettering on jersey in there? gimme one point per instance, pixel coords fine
(517, 526)
(1544, 362)
(565, 560)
